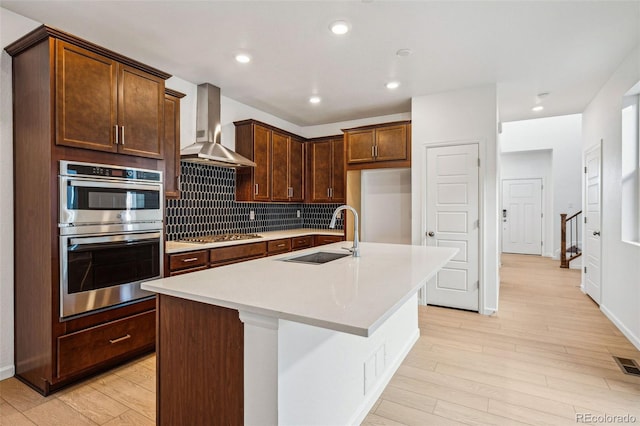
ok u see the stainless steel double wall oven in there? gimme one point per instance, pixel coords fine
(111, 235)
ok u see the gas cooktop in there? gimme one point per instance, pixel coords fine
(204, 239)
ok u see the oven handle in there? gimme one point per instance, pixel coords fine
(116, 185)
(114, 238)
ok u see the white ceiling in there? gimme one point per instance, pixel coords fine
(566, 48)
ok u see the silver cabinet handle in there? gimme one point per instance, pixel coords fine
(376, 151)
(373, 151)
(281, 245)
(331, 192)
(122, 135)
(328, 192)
(120, 339)
(431, 233)
(255, 189)
(116, 126)
(191, 259)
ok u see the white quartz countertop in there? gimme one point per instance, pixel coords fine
(351, 295)
(172, 247)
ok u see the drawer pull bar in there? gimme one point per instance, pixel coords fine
(281, 245)
(191, 259)
(120, 339)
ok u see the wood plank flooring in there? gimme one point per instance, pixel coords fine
(544, 359)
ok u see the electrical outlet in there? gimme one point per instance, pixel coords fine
(252, 215)
(298, 213)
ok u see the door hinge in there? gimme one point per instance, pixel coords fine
(541, 186)
(478, 162)
(585, 169)
(585, 219)
(585, 269)
(541, 243)
(541, 214)
(477, 285)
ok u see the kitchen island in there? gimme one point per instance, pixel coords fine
(270, 341)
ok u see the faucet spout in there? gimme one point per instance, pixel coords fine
(355, 250)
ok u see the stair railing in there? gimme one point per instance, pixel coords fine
(572, 248)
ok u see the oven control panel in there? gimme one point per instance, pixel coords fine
(68, 168)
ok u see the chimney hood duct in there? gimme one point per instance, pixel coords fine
(207, 148)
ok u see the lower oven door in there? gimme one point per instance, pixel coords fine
(99, 271)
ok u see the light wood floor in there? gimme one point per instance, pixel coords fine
(544, 359)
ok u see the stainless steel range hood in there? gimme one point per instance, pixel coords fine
(207, 148)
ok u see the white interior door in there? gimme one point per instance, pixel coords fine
(522, 216)
(452, 221)
(592, 248)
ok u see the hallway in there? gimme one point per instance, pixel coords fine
(545, 358)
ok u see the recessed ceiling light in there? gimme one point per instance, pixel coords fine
(393, 85)
(404, 52)
(339, 27)
(315, 99)
(243, 58)
(537, 108)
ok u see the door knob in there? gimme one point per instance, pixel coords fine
(431, 233)
(596, 233)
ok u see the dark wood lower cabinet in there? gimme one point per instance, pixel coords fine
(210, 341)
(86, 348)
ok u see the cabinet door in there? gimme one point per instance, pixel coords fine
(321, 160)
(337, 171)
(360, 146)
(86, 99)
(262, 157)
(140, 113)
(391, 143)
(296, 170)
(171, 146)
(280, 169)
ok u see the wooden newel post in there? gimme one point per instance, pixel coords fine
(563, 241)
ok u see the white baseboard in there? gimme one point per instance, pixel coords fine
(375, 393)
(635, 340)
(7, 371)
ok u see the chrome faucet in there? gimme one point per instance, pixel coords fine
(355, 250)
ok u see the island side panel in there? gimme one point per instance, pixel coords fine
(200, 350)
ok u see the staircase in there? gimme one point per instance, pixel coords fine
(570, 248)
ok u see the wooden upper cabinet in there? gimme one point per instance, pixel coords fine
(287, 168)
(104, 105)
(296, 170)
(279, 158)
(172, 143)
(361, 146)
(140, 113)
(262, 157)
(86, 98)
(253, 141)
(280, 167)
(326, 178)
(385, 145)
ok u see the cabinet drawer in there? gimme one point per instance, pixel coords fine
(249, 251)
(190, 259)
(327, 239)
(299, 243)
(88, 348)
(279, 246)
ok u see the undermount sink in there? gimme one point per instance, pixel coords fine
(317, 258)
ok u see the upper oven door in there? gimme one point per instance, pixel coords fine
(102, 201)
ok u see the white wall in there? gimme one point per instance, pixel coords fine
(12, 27)
(562, 135)
(465, 116)
(620, 299)
(530, 165)
(385, 210)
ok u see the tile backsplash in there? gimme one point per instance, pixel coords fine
(207, 206)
